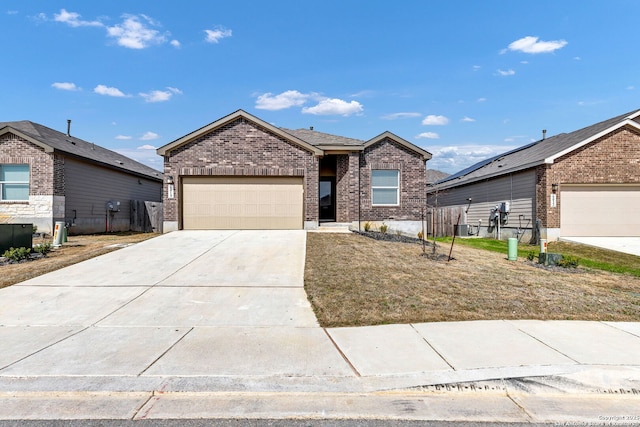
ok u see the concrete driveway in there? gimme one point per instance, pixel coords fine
(184, 303)
(627, 245)
(215, 324)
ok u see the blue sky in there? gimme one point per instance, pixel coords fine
(464, 80)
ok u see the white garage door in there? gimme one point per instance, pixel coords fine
(611, 210)
(241, 203)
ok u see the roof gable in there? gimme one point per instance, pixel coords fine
(53, 141)
(625, 123)
(539, 152)
(165, 149)
(423, 153)
(8, 128)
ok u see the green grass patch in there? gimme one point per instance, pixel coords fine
(589, 256)
(493, 245)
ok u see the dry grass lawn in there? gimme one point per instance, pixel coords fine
(78, 248)
(353, 280)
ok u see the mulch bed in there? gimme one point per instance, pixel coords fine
(391, 237)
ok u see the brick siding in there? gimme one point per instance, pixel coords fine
(612, 159)
(242, 148)
(14, 149)
(387, 154)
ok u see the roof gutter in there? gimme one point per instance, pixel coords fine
(110, 166)
(456, 182)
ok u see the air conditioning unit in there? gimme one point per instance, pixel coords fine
(461, 229)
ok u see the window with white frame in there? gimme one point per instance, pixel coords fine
(385, 187)
(14, 182)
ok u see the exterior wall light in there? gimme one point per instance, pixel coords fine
(554, 188)
(171, 191)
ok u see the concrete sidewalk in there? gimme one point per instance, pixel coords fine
(217, 325)
(627, 245)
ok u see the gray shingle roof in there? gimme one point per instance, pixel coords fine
(319, 139)
(529, 155)
(71, 145)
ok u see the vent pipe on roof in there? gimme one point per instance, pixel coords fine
(68, 127)
(544, 134)
(310, 127)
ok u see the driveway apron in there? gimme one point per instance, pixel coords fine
(186, 303)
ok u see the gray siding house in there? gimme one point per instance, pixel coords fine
(582, 183)
(241, 172)
(48, 176)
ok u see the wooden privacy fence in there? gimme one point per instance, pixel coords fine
(145, 216)
(441, 221)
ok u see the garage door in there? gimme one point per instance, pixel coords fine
(600, 210)
(238, 203)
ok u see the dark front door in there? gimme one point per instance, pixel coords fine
(327, 198)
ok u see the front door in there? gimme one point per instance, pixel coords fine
(327, 198)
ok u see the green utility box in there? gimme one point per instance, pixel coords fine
(15, 236)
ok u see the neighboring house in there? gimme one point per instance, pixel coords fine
(48, 176)
(240, 172)
(583, 183)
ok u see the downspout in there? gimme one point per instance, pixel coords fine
(359, 192)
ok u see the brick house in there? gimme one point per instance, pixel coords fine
(582, 183)
(241, 172)
(48, 176)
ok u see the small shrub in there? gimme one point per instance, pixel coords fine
(420, 235)
(17, 254)
(383, 228)
(531, 255)
(367, 226)
(568, 261)
(43, 248)
(35, 229)
(398, 233)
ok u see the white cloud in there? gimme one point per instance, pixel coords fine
(508, 72)
(144, 156)
(124, 137)
(481, 99)
(149, 136)
(476, 67)
(331, 106)
(147, 147)
(136, 32)
(65, 86)
(467, 119)
(214, 36)
(530, 44)
(160, 95)
(175, 43)
(73, 19)
(109, 91)
(524, 62)
(433, 120)
(577, 58)
(428, 135)
(363, 93)
(589, 103)
(631, 87)
(287, 99)
(39, 18)
(452, 159)
(395, 116)
(12, 12)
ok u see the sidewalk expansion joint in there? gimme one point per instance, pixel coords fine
(344, 356)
